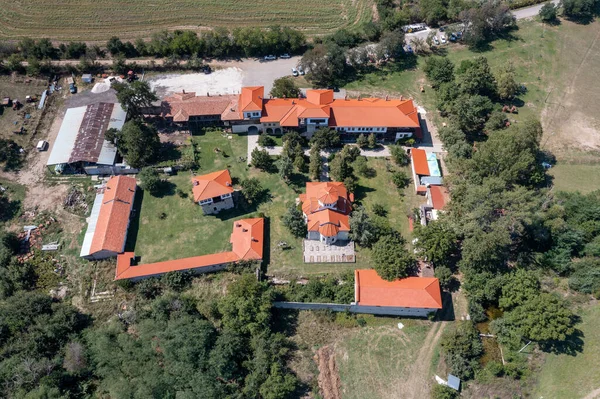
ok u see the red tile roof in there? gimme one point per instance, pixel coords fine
(251, 98)
(113, 219)
(318, 221)
(419, 161)
(212, 185)
(181, 106)
(410, 292)
(247, 244)
(439, 196)
(316, 191)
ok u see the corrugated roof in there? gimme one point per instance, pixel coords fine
(91, 229)
(410, 292)
(439, 196)
(419, 161)
(81, 135)
(211, 185)
(113, 220)
(247, 240)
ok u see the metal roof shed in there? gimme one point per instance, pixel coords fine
(453, 382)
(67, 135)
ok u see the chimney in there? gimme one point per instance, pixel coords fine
(238, 225)
(207, 94)
(401, 98)
(196, 182)
(359, 98)
(346, 97)
(387, 98)
(284, 96)
(254, 239)
(245, 230)
(183, 91)
(293, 102)
(228, 184)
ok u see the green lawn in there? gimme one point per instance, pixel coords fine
(375, 362)
(576, 177)
(569, 377)
(185, 231)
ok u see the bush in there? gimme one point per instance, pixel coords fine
(391, 259)
(399, 155)
(149, 288)
(150, 180)
(462, 348)
(400, 179)
(293, 219)
(177, 281)
(261, 159)
(362, 141)
(379, 210)
(443, 392)
(252, 190)
(264, 140)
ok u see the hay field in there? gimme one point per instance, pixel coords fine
(98, 20)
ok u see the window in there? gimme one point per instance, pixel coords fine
(255, 114)
(224, 196)
(206, 201)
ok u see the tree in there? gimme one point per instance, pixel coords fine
(362, 230)
(446, 277)
(476, 77)
(391, 45)
(436, 242)
(138, 143)
(579, 9)
(400, 179)
(340, 167)
(278, 384)
(519, 287)
(300, 163)
(285, 87)
(391, 259)
(315, 163)
(548, 13)
(293, 219)
(326, 138)
(372, 141)
(261, 159)
(379, 210)
(544, 318)
(135, 96)
(246, 308)
(326, 65)
(507, 86)
(15, 62)
(439, 70)
(150, 180)
(399, 155)
(485, 22)
(497, 121)
(362, 141)
(470, 112)
(264, 140)
(586, 277)
(286, 167)
(461, 347)
(252, 190)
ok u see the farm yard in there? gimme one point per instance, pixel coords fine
(60, 20)
(184, 231)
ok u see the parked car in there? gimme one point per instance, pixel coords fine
(443, 38)
(72, 88)
(42, 145)
(459, 35)
(301, 71)
(442, 29)
(436, 41)
(285, 56)
(295, 72)
(452, 37)
(409, 49)
(270, 57)
(207, 70)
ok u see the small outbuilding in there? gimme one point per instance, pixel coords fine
(454, 382)
(87, 78)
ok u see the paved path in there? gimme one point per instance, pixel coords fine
(252, 144)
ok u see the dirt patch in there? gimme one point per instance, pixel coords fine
(223, 81)
(329, 376)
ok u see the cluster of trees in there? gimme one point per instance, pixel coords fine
(466, 95)
(583, 10)
(10, 155)
(161, 347)
(330, 289)
(485, 22)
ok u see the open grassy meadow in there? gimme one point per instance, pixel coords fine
(574, 376)
(93, 20)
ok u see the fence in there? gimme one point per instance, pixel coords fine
(337, 307)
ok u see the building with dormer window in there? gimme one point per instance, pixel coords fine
(213, 192)
(326, 207)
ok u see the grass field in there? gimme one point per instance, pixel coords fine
(569, 377)
(186, 231)
(376, 362)
(92, 20)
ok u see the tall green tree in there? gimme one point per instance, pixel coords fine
(285, 87)
(293, 219)
(391, 259)
(436, 242)
(439, 70)
(285, 167)
(138, 143)
(135, 96)
(315, 163)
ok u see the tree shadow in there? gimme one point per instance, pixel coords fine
(266, 245)
(9, 208)
(169, 152)
(572, 346)
(447, 311)
(361, 193)
(134, 221)
(298, 181)
(165, 189)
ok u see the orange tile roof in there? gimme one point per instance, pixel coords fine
(410, 292)
(247, 238)
(317, 220)
(247, 244)
(316, 191)
(113, 218)
(251, 98)
(181, 106)
(319, 97)
(211, 185)
(419, 160)
(329, 230)
(439, 196)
